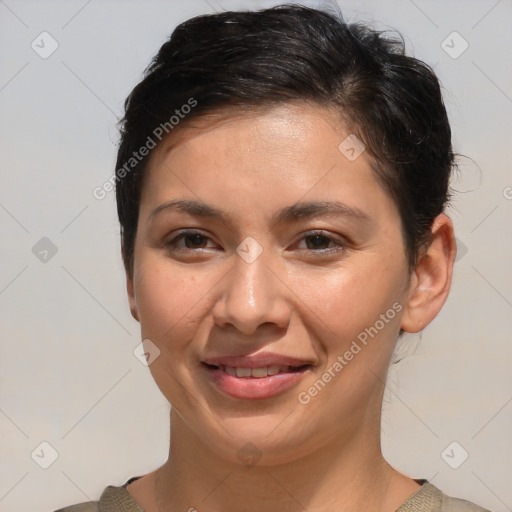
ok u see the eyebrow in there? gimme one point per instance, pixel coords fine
(288, 214)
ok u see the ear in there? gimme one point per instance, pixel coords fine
(131, 297)
(432, 277)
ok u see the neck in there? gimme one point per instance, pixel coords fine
(345, 474)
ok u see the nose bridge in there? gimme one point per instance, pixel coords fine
(252, 295)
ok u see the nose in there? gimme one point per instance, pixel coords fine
(253, 295)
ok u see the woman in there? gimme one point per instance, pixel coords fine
(281, 184)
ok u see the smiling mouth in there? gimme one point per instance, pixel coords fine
(257, 373)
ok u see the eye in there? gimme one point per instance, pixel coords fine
(192, 239)
(318, 241)
(315, 242)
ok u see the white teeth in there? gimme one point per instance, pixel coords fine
(272, 370)
(243, 372)
(230, 370)
(266, 371)
(259, 372)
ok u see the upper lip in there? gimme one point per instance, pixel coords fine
(260, 360)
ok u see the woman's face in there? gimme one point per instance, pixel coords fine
(274, 290)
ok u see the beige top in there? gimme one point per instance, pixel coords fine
(428, 498)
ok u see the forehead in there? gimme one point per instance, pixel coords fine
(264, 159)
(263, 130)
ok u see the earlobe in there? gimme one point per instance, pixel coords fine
(432, 277)
(131, 298)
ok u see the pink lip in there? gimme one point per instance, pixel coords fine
(254, 388)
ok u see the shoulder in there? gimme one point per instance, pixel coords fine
(90, 506)
(428, 498)
(113, 499)
(450, 504)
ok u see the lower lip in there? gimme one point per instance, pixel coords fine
(253, 388)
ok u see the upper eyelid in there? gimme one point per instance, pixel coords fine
(186, 232)
(340, 240)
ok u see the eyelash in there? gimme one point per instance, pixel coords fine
(341, 245)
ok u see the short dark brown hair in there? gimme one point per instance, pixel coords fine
(391, 101)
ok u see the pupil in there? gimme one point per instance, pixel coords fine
(195, 238)
(318, 238)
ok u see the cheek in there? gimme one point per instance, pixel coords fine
(168, 300)
(348, 300)
(357, 318)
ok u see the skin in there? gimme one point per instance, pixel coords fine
(199, 298)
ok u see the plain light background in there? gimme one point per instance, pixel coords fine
(68, 373)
